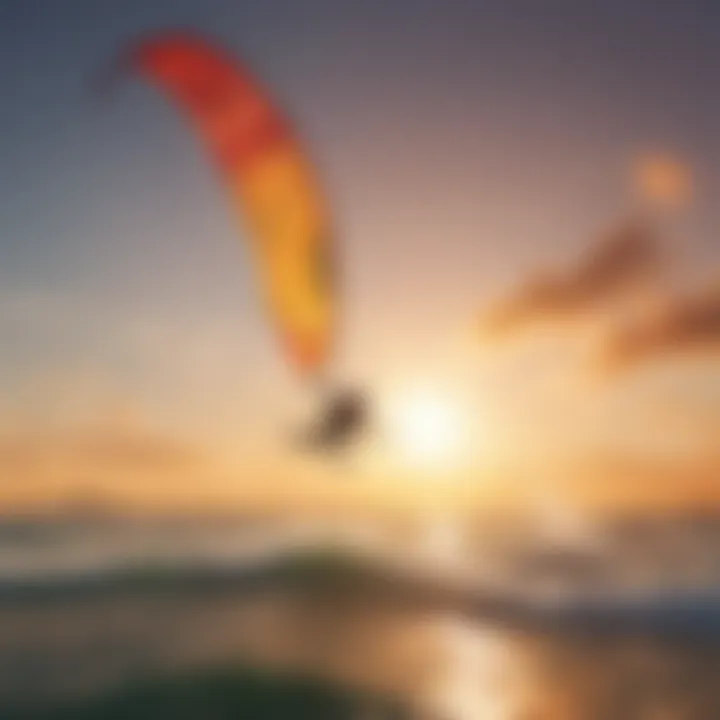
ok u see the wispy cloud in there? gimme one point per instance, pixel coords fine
(112, 461)
(685, 325)
(616, 264)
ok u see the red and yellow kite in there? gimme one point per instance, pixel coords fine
(270, 182)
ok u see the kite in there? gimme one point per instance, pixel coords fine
(269, 179)
(275, 196)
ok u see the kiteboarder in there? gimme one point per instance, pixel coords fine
(344, 420)
(272, 188)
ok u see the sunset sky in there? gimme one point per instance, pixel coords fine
(464, 145)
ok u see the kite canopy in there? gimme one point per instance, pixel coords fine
(269, 180)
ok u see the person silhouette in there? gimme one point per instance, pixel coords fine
(344, 419)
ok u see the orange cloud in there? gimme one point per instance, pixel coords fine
(687, 325)
(109, 463)
(664, 182)
(619, 262)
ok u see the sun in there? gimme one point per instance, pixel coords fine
(428, 429)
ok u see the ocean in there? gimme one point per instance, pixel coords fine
(621, 621)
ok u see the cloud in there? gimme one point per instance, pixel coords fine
(663, 182)
(619, 262)
(685, 325)
(112, 463)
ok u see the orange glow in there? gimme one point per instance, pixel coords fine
(664, 181)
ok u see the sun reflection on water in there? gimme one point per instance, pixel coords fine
(479, 677)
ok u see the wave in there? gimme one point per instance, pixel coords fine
(686, 612)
